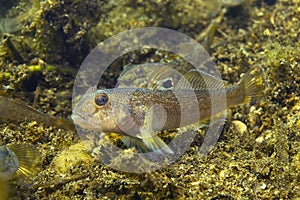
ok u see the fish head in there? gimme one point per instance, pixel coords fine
(106, 110)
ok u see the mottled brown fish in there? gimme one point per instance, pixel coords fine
(163, 104)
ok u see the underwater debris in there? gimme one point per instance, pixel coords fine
(58, 182)
(206, 36)
(232, 3)
(9, 25)
(15, 110)
(12, 50)
(37, 4)
(5, 75)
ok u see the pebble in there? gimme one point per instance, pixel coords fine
(241, 127)
(72, 157)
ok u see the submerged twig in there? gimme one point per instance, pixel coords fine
(14, 110)
(12, 50)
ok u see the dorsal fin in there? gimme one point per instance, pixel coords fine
(152, 76)
(164, 78)
(136, 76)
(91, 90)
(199, 80)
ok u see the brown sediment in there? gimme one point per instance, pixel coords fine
(260, 161)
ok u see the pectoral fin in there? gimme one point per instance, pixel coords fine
(147, 144)
(151, 140)
(135, 142)
(154, 143)
(127, 124)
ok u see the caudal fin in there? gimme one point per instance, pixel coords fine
(29, 159)
(253, 83)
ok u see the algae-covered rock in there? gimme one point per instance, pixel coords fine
(72, 157)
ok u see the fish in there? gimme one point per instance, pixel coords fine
(167, 100)
(19, 161)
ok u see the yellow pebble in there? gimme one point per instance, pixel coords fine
(35, 68)
(240, 126)
(267, 32)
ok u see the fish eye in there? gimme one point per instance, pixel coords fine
(139, 72)
(101, 99)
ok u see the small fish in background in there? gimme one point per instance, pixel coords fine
(157, 99)
(20, 161)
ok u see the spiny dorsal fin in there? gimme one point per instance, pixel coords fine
(137, 76)
(164, 78)
(199, 80)
(152, 76)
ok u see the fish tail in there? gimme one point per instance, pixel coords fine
(29, 159)
(253, 83)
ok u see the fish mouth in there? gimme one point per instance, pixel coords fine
(81, 120)
(84, 121)
(78, 119)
